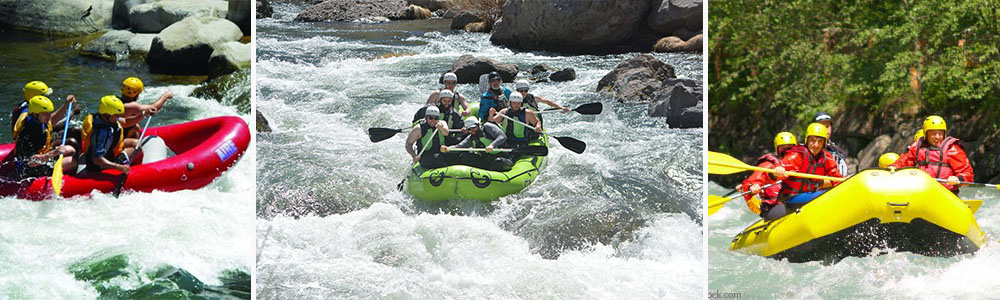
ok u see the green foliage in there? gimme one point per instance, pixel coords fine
(802, 56)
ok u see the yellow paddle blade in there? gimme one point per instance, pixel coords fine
(57, 174)
(723, 164)
(715, 203)
(974, 204)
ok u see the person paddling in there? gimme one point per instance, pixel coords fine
(769, 196)
(940, 155)
(813, 158)
(135, 112)
(33, 146)
(428, 136)
(104, 137)
(450, 81)
(518, 134)
(839, 154)
(488, 136)
(531, 101)
(449, 116)
(493, 99)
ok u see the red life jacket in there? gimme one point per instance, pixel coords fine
(770, 194)
(797, 185)
(934, 160)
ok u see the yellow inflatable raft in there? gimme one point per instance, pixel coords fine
(875, 209)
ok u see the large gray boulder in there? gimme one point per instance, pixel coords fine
(868, 156)
(636, 78)
(141, 43)
(669, 16)
(264, 9)
(464, 18)
(572, 26)
(227, 58)
(239, 13)
(185, 47)
(153, 17)
(112, 45)
(469, 68)
(58, 17)
(680, 101)
(351, 10)
(262, 124)
(119, 14)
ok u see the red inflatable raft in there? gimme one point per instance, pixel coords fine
(204, 149)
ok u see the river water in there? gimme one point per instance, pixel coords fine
(194, 230)
(621, 220)
(897, 275)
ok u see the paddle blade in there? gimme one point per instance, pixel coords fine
(532, 150)
(572, 144)
(590, 109)
(716, 157)
(973, 204)
(380, 134)
(715, 203)
(57, 176)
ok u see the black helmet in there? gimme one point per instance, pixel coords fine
(493, 75)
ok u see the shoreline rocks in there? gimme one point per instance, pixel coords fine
(154, 17)
(571, 26)
(350, 10)
(675, 44)
(185, 47)
(66, 17)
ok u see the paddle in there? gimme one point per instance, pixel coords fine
(996, 186)
(722, 164)
(525, 150)
(587, 109)
(57, 170)
(427, 143)
(376, 134)
(121, 183)
(716, 202)
(572, 144)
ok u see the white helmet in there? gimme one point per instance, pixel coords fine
(522, 84)
(450, 76)
(432, 111)
(446, 94)
(515, 97)
(471, 122)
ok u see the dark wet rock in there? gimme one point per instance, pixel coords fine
(230, 89)
(680, 101)
(675, 44)
(464, 18)
(264, 9)
(262, 124)
(431, 4)
(868, 157)
(686, 34)
(541, 68)
(112, 276)
(227, 58)
(566, 74)
(668, 16)
(62, 17)
(239, 13)
(414, 12)
(636, 78)
(185, 47)
(574, 26)
(469, 68)
(154, 17)
(350, 10)
(112, 45)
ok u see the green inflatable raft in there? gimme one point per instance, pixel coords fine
(466, 182)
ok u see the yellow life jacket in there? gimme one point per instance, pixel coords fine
(48, 132)
(88, 129)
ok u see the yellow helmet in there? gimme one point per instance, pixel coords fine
(39, 104)
(934, 123)
(817, 129)
(784, 138)
(131, 87)
(920, 134)
(36, 88)
(111, 105)
(887, 159)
